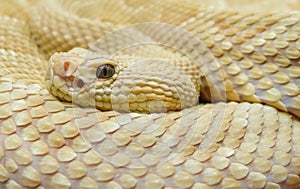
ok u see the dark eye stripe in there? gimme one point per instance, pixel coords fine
(105, 71)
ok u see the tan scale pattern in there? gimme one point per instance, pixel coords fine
(246, 165)
(247, 59)
(18, 52)
(46, 143)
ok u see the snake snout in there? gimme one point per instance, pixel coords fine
(63, 65)
(61, 74)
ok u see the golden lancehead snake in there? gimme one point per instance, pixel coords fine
(148, 94)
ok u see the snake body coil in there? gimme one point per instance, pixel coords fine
(246, 64)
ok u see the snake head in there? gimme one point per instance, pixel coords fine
(72, 75)
(121, 83)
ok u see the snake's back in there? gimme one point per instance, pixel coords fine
(250, 142)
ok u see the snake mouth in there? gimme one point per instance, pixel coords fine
(61, 80)
(60, 87)
(68, 88)
(77, 79)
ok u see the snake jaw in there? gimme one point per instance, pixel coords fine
(158, 89)
(72, 77)
(61, 77)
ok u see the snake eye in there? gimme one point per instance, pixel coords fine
(105, 71)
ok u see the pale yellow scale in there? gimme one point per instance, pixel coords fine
(47, 143)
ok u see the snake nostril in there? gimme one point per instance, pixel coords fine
(80, 83)
(66, 66)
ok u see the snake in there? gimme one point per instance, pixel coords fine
(148, 94)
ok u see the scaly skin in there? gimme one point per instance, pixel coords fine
(46, 143)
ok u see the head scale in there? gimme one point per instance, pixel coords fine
(121, 83)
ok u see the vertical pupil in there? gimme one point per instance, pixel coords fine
(104, 71)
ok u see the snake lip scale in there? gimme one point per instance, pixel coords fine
(104, 94)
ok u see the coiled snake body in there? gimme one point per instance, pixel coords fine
(250, 60)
